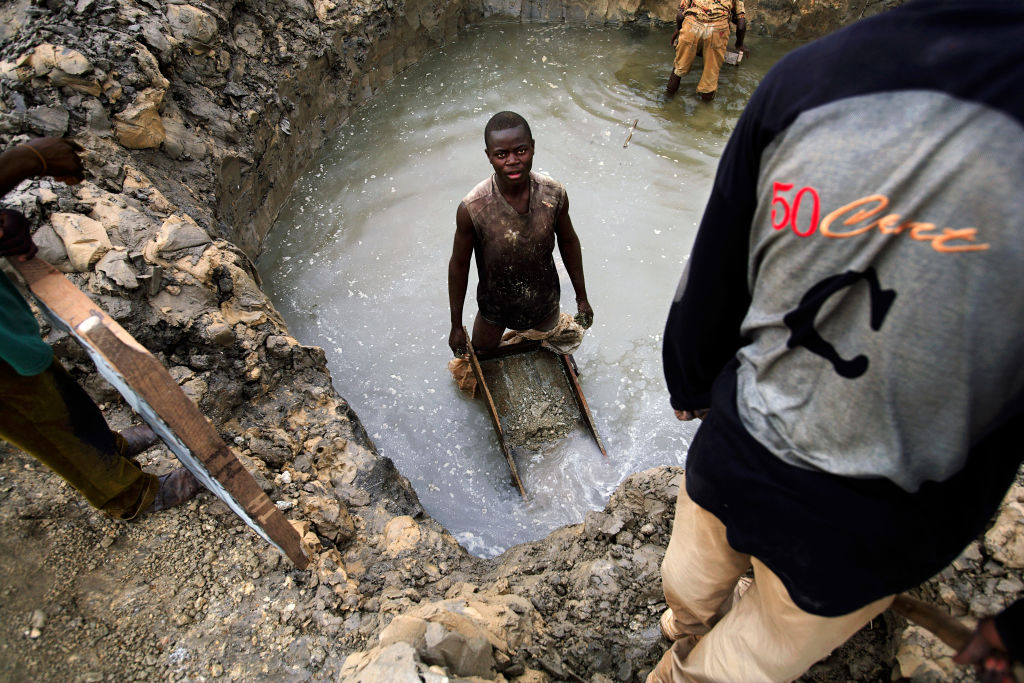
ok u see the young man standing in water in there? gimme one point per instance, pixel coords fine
(511, 221)
(704, 25)
(848, 324)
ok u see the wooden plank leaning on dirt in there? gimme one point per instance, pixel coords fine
(156, 397)
(943, 625)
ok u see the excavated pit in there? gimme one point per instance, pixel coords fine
(196, 120)
(356, 262)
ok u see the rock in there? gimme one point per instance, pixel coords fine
(14, 19)
(272, 446)
(401, 534)
(1005, 540)
(462, 654)
(191, 24)
(112, 90)
(139, 126)
(445, 638)
(919, 660)
(195, 389)
(131, 225)
(51, 248)
(1010, 585)
(87, 86)
(220, 334)
(15, 70)
(84, 239)
(151, 68)
(38, 619)
(137, 183)
(331, 517)
(181, 306)
(533, 676)
(279, 347)
(46, 57)
(48, 120)
(177, 232)
(396, 663)
(404, 629)
(114, 264)
(96, 117)
(181, 143)
(322, 8)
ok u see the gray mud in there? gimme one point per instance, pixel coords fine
(196, 119)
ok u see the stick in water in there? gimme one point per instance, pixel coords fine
(630, 135)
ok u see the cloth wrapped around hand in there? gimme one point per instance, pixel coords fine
(565, 337)
(462, 373)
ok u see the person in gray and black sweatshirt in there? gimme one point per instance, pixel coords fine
(848, 326)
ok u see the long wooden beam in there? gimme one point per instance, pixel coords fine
(156, 397)
(569, 365)
(942, 624)
(493, 411)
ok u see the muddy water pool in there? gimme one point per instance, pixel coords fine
(357, 261)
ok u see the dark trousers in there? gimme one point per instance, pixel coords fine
(51, 417)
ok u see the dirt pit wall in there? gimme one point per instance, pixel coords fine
(196, 119)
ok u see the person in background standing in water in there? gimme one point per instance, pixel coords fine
(849, 317)
(511, 222)
(43, 410)
(704, 25)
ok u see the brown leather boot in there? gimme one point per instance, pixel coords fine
(707, 96)
(175, 488)
(138, 439)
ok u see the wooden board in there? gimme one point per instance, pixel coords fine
(527, 387)
(515, 377)
(569, 367)
(942, 624)
(156, 397)
(495, 417)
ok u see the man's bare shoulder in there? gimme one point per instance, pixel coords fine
(483, 190)
(546, 181)
(549, 189)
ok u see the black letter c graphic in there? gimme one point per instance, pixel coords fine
(801, 319)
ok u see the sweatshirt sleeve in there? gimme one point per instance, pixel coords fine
(703, 329)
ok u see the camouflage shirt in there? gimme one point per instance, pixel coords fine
(712, 10)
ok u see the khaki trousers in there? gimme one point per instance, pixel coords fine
(763, 637)
(714, 38)
(50, 417)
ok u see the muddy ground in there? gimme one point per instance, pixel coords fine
(195, 119)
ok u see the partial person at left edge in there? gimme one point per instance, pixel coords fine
(43, 410)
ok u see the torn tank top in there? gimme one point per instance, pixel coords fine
(518, 285)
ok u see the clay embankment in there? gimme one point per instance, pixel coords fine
(197, 118)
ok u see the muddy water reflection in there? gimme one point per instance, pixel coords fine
(357, 262)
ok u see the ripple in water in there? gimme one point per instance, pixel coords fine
(357, 262)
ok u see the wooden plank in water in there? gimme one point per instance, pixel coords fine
(156, 397)
(532, 398)
(569, 365)
(518, 373)
(492, 410)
